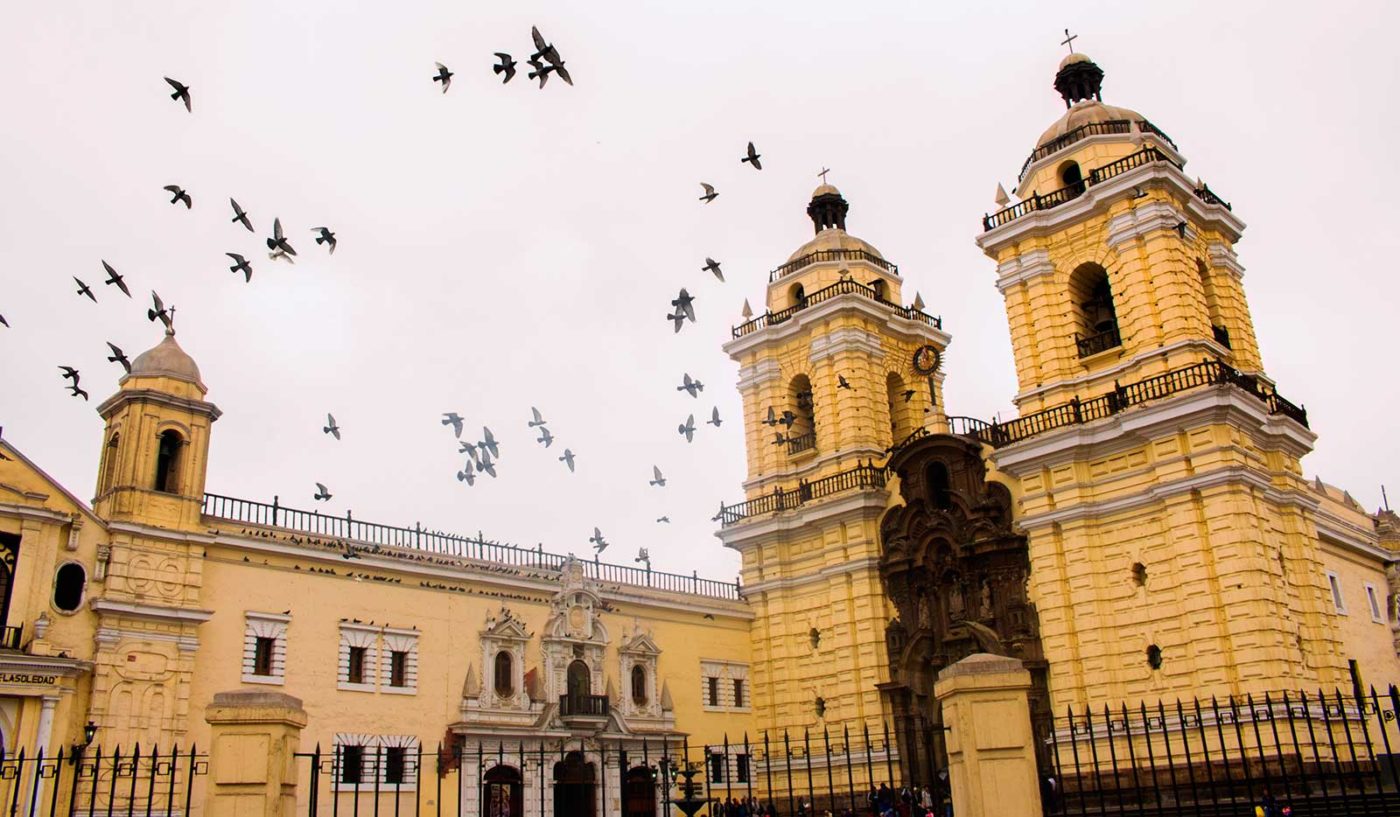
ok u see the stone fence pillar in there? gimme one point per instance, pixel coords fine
(991, 748)
(252, 769)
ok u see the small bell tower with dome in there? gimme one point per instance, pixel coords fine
(156, 441)
(832, 374)
(1156, 463)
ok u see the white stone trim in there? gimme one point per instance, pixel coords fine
(847, 339)
(1146, 218)
(857, 503)
(1339, 599)
(1223, 256)
(1373, 602)
(764, 370)
(265, 625)
(1023, 268)
(365, 637)
(887, 324)
(404, 641)
(374, 746)
(725, 673)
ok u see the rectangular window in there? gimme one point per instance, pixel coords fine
(713, 690)
(395, 762)
(1337, 600)
(352, 759)
(716, 768)
(739, 693)
(356, 673)
(1374, 602)
(741, 768)
(262, 655)
(398, 669)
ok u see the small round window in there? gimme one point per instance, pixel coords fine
(68, 586)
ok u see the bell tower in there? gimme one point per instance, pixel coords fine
(832, 374)
(1170, 533)
(156, 441)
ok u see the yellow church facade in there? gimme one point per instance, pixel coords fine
(1142, 530)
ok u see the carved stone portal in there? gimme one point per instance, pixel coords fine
(956, 571)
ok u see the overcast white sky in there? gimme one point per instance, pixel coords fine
(503, 247)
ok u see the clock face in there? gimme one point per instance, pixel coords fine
(926, 360)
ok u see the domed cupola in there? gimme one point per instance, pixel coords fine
(828, 209)
(1079, 78)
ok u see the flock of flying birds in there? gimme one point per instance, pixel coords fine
(483, 454)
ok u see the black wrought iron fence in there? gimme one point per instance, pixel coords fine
(93, 782)
(807, 772)
(1315, 753)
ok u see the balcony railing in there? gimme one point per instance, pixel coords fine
(1068, 193)
(868, 476)
(585, 706)
(1081, 132)
(346, 534)
(839, 288)
(1148, 127)
(802, 442)
(1101, 342)
(1205, 194)
(830, 255)
(1076, 411)
(12, 638)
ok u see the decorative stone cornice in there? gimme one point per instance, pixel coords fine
(150, 612)
(846, 339)
(1023, 268)
(1144, 219)
(23, 662)
(1223, 256)
(764, 370)
(158, 398)
(760, 530)
(886, 323)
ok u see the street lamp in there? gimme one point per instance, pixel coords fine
(89, 732)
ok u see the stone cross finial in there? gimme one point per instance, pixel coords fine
(825, 171)
(1069, 40)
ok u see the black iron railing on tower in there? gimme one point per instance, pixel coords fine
(1099, 342)
(820, 256)
(1076, 411)
(1037, 202)
(867, 476)
(848, 287)
(356, 538)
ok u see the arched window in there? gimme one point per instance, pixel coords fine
(799, 295)
(505, 675)
(639, 684)
(939, 488)
(168, 462)
(801, 419)
(68, 586)
(878, 285)
(1072, 178)
(901, 401)
(579, 680)
(1091, 296)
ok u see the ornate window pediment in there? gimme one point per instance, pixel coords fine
(638, 667)
(503, 634)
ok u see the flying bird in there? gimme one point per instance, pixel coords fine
(240, 264)
(5, 322)
(182, 93)
(713, 266)
(159, 310)
(326, 237)
(468, 449)
(772, 418)
(114, 278)
(692, 387)
(70, 373)
(177, 193)
(687, 429)
(545, 437)
(568, 459)
(752, 158)
(240, 216)
(599, 544)
(453, 419)
(664, 520)
(84, 289)
(488, 443)
(842, 383)
(539, 418)
(331, 428)
(685, 309)
(548, 51)
(908, 395)
(321, 494)
(485, 465)
(77, 392)
(709, 193)
(278, 242)
(118, 357)
(278, 255)
(444, 76)
(778, 438)
(787, 419)
(656, 478)
(505, 66)
(714, 418)
(467, 475)
(541, 71)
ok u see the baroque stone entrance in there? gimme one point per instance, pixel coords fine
(956, 570)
